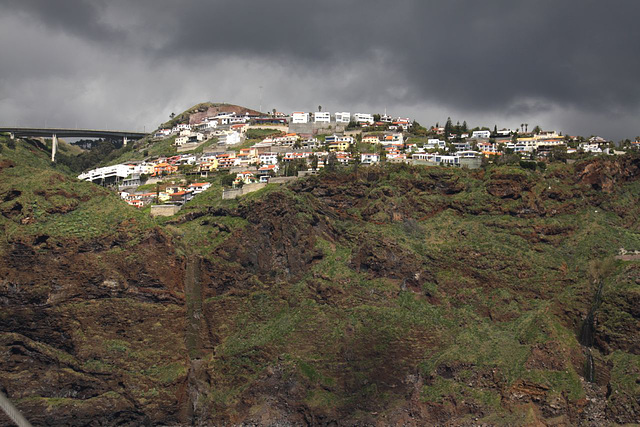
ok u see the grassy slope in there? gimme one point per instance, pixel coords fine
(54, 203)
(497, 290)
(54, 215)
(495, 287)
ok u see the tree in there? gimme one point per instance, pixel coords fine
(274, 112)
(353, 149)
(332, 162)
(464, 126)
(376, 117)
(314, 162)
(526, 127)
(227, 179)
(383, 153)
(172, 115)
(558, 153)
(537, 130)
(447, 127)
(417, 129)
(495, 129)
(319, 108)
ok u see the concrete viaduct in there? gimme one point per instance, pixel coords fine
(55, 133)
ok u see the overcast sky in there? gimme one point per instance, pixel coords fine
(569, 65)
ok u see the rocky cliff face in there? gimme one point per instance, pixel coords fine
(397, 295)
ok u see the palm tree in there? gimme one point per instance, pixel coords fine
(526, 127)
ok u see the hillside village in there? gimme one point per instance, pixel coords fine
(255, 148)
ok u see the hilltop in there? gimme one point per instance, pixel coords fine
(196, 113)
(391, 294)
(150, 146)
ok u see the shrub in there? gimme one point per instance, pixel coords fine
(528, 165)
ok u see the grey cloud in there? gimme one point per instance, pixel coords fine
(476, 60)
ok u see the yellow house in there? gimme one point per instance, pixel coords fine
(209, 165)
(339, 146)
(371, 139)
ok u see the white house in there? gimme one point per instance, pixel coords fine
(180, 126)
(322, 117)
(299, 117)
(332, 139)
(547, 134)
(392, 139)
(434, 143)
(269, 158)
(199, 187)
(590, 148)
(161, 133)
(369, 158)
(481, 134)
(142, 168)
(117, 171)
(468, 154)
(229, 138)
(363, 118)
(187, 136)
(266, 171)
(343, 117)
(210, 124)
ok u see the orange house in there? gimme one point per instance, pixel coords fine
(164, 168)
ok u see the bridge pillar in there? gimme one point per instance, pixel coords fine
(54, 147)
(124, 141)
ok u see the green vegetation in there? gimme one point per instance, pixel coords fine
(490, 280)
(352, 292)
(260, 134)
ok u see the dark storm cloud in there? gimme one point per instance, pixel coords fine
(81, 18)
(476, 58)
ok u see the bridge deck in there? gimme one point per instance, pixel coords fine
(72, 133)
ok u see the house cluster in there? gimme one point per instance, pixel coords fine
(229, 128)
(170, 194)
(360, 119)
(363, 138)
